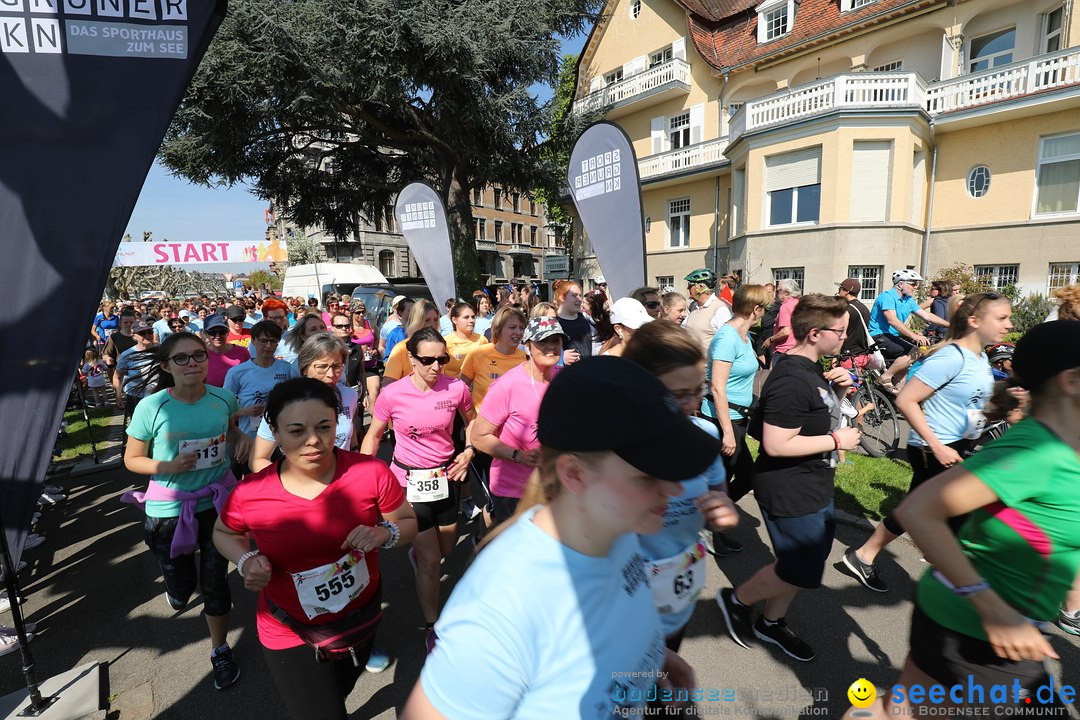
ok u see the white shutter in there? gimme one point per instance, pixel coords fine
(678, 49)
(697, 121)
(948, 59)
(794, 169)
(656, 132)
(635, 66)
(870, 174)
(594, 84)
(918, 189)
(738, 191)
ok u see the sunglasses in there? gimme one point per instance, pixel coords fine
(217, 331)
(427, 361)
(653, 304)
(183, 359)
(343, 327)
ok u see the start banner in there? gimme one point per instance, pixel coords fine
(131, 254)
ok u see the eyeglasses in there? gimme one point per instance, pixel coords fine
(343, 327)
(427, 361)
(321, 368)
(217, 332)
(653, 304)
(275, 317)
(267, 341)
(839, 333)
(183, 359)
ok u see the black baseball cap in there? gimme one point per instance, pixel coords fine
(140, 327)
(235, 312)
(215, 321)
(1045, 351)
(642, 421)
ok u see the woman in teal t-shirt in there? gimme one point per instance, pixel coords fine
(980, 607)
(181, 436)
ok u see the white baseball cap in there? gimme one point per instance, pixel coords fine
(629, 312)
(599, 280)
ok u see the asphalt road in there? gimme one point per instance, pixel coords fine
(96, 594)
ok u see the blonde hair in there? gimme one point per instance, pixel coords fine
(541, 309)
(1069, 305)
(417, 314)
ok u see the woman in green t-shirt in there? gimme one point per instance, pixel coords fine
(979, 610)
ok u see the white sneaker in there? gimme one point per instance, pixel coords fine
(10, 643)
(32, 541)
(53, 489)
(50, 499)
(5, 603)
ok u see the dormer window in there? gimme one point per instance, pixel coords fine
(775, 18)
(848, 5)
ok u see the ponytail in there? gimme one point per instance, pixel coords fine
(958, 321)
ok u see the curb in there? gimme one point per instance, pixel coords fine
(110, 450)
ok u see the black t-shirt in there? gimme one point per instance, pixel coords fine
(580, 333)
(796, 395)
(856, 340)
(118, 343)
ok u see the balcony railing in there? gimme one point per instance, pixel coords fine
(521, 248)
(485, 245)
(1036, 74)
(674, 74)
(682, 159)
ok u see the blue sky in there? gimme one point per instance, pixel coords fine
(174, 209)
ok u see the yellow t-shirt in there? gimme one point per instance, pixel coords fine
(458, 349)
(484, 365)
(397, 365)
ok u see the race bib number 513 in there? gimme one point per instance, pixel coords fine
(209, 452)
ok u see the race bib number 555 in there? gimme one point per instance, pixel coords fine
(331, 587)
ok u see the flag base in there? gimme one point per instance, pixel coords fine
(78, 693)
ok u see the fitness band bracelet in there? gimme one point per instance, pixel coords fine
(243, 559)
(962, 590)
(395, 533)
(836, 440)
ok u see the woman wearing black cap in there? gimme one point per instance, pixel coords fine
(555, 618)
(979, 609)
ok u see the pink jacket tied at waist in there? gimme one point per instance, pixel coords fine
(186, 537)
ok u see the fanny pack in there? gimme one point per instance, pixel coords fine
(744, 410)
(338, 639)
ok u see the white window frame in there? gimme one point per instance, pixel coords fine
(990, 58)
(533, 236)
(614, 76)
(767, 12)
(1045, 35)
(794, 207)
(478, 197)
(663, 281)
(971, 177)
(798, 274)
(1075, 157)
(1066, 273)
(679, 208)
(994, 274)
(661, 56)
(893, 66)
(869, 277)
(481, 229)
(849, 5)
(678, 131)
(635, 9)
(498, 231)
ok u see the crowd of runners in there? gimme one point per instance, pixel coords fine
(248, 417)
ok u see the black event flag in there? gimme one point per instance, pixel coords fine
(87, 91)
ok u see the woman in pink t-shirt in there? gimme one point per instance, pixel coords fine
(506, 426)
(422, 407)
(318, 519)
(788, 291)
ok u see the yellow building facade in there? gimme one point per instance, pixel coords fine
(825, 139)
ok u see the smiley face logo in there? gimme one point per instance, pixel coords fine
(862, 693)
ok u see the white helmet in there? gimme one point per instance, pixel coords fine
(906, 276)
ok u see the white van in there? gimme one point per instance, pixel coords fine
(319, 279)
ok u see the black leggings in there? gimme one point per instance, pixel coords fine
(314, 690)
(923, 467)
(739, 468)
(179, 573)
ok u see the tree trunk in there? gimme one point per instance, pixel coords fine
(456, 195)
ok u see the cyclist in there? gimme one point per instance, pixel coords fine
(888, 324)
(1000, 357)
(708, 312)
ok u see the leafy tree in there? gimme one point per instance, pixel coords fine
(962, 275)
(260, 277)
(331, 107)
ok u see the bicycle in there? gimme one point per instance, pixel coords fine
(876, 414)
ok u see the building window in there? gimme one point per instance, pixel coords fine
(477, 197)
(1062, 274)
(789, 273)
(679, 223)
(998, 277)
(386, 262)
(635, 9)
(516, 233)
(660, 57)
(679, 131)
(1051, 33)
(532, 207)
(894, 66)
(532, 236)
(1058, 178)
(613, 77)
(665, 281)
(846, 5)
(793, 187)
(481, 229)
(774, 20)
(978, 181)
(498, 199)
(516, 201)
(869, 277)
(498, 231)
(992, 50)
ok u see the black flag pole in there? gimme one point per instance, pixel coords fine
(86, 417)
(38, 703)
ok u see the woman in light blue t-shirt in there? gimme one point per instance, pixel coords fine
(943, 400)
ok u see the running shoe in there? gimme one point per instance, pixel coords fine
(866, 574)
(53, 489)
(5, 603)
(32, 541)
(707, 538)
(732, 545)
(1069, 622)
(10, 643)
(174, 604)
(378, 660)
(50, 498)
(28, 625)
(469, 509)
(430, 640)
(736, 616)
(780, 634)
(226, 671)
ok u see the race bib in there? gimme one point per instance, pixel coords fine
(976, 424)
(676, 581)
(330, 588)
(210, 452)
(427, 485)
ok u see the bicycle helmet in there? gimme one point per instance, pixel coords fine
(704, 276)
(999, 352)
(906, 275)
